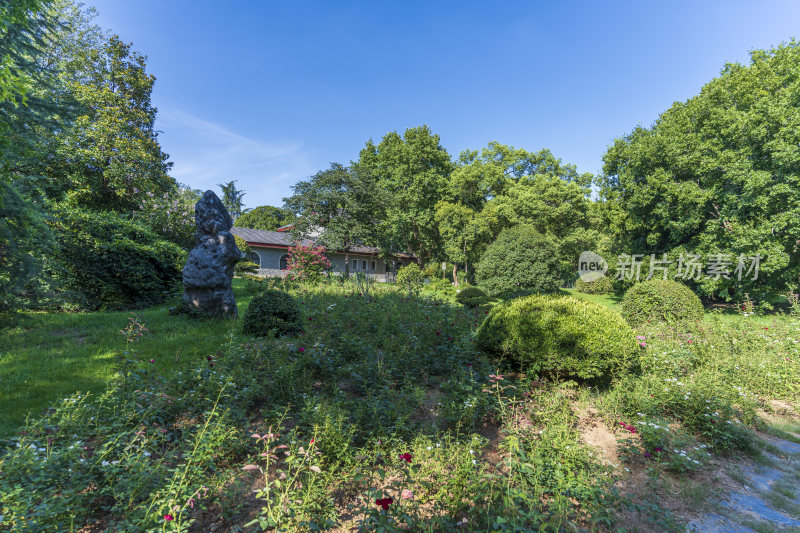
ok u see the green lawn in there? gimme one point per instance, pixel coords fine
(47, 356)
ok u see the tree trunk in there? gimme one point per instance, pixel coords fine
(455, 274)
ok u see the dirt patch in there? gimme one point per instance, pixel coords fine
(596, 434)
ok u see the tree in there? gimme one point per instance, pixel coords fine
(520, 260)
(414, 171)
(232, 199)
(462, 234)
(110, 154)
(341, 206)
(265, 217)
(719, 173)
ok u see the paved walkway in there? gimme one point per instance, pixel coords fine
(767, 500)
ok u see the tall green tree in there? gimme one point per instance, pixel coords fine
(414, 170)
(265, 217)
(232, 199)
(110, 154)
(341, 207)
(719, 173)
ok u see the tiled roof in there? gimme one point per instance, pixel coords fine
(275, 238)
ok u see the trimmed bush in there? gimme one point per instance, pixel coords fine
(410, 277)
(599, 286)
(521, 260)
(559, 335)
(272, 311)
(472, 297)
(659, 300)
(106, 260)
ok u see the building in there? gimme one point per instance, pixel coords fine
(271, 254)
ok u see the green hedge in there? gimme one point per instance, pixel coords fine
(106, 260)
(521, 260)
(599, 286)
(559, 335)
(472, 297)
(270, 312)
(659, 300)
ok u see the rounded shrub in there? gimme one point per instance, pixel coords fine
(410, 277)
(472, 297)
(559, 335)
(601, 285)
(270, 312)
(106, 260)
(520, 260)
(659, 300)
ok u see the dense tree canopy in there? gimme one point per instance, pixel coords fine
(265, 217)
(719, 173)
(414, 169)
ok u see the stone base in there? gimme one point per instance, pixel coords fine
(210, 302)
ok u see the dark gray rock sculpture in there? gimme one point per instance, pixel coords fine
(209, 270)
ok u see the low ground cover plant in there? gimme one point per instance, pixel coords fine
(383, 413)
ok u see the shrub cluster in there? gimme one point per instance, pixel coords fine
(599, 286)
(472, 297)
(272, 311)
(106, 260)
(410, 277)
(559, 335)
(659, 300)
(520, 260)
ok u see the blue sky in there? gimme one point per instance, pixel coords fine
(269, 93)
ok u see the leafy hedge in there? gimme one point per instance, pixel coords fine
(472, 297)
(659, 300)
(520, 260)
(272, 311)
(410, 277)
(599, 286)
(105, 260)
(559, 335)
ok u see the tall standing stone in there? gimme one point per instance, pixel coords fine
(208, 272)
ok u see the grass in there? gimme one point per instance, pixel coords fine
(383, 396)
(47, 356)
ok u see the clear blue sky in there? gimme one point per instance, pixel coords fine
(269, 93)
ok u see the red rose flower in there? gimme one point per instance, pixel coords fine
(169, 517)
(384, 502)
(405, 457)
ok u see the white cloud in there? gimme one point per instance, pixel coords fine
(205, 153)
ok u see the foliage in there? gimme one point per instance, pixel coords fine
(106, 260)
(110, 153)
(170, 215)
(342, 205)
(413, 169)
(559, 335)
(265, 217)
(601, 285)
(362, 437)
(519, 260)
(307, 262)
(272, 312)
(718, 174)
(472, 297)
(232, 199)
(23, 233)
(661, 300)
(410, 278)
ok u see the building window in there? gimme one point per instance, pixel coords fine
(355, 264)
(253, 257)
(373, 265)
(285, 262)
(364, 265)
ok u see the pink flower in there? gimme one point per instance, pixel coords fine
(301, 350)
(169, 517)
